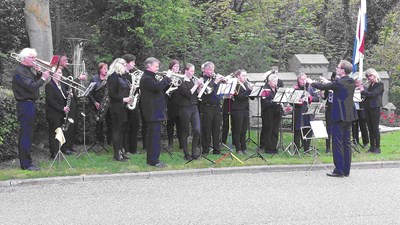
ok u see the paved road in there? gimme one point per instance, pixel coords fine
(368, 196)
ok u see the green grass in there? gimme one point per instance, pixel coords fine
(103, 163)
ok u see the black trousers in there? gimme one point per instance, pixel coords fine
(119, 133)
(153, 142)
(173, 119)
(189, 116)
(269, 137)
(134, 125)
(360, 125)
(240, 123)
(54, 123)
(210, 127)
(372, 118)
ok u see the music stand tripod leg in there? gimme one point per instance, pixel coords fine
(58, 158)
(228, 154)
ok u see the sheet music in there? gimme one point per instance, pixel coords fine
(88, 90)
(318, 129)
(357, 96)
(256, 89)
(280, 96)
(227, 88)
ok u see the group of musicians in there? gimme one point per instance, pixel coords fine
(126, 98)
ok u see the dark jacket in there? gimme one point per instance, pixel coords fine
(55, 101)
(240, 100)
(118, 88)
(343, 108)
(153, 97)
(25, 84)
(184, 96)
(373, 96)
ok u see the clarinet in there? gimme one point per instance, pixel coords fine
(104, 104)
(67, 121)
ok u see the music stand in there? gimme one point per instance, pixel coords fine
(280, 97)
(84, 151)
(257, 92)
(357, 99)
(317, 130)
(313, 109)
(227, 90)
(293, 97)
(61, 140)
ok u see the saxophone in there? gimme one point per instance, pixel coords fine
(136, 76)
(104, 104)
(68, 121)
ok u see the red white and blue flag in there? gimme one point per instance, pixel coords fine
(359, 41)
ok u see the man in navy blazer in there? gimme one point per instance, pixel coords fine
(343, 114)
(154, 108)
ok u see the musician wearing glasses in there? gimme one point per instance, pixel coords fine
(343, 114)
(118, 92)
(373, 92)
(70, 135)
(186, 98)
(100, 104)
(154, 108)
(57, 110)
(25, 86)
(210, 110)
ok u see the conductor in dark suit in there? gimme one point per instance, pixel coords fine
(372, 107)
(154, 108)
(343, 114)
(56, 109)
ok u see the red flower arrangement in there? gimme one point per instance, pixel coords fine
(389, 119)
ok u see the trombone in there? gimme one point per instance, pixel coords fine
(44, 65)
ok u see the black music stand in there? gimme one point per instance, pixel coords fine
(256, 93)
(227, 90)
(313, 109)
(84, 151)
(201, 155)
(293, 98)
(316, 130)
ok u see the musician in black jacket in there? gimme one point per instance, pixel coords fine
(25, 86)
(118, 91)
(98, 99)
(210, 110)
(154, 108)
(70, 135)
(133, 111)
(271, 114)
(56, 109)
(372, 107)
(173, 111)
(186, 98)
(240, 111)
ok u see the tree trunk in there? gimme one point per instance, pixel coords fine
(38, 25)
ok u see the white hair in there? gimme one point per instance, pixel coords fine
(26, 52)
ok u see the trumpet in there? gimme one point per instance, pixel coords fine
(46, 66)
(177, 80)
(205, 89)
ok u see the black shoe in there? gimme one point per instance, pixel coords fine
(195, 157)
(269, 151)
(217, 152)
(187, 157)
(371, 149)
(120, 159)
(328, 150)
(72, 150)
(334, 175)
(377, 151)
(31, 168)
(244, 152)
(68, 152)
(125, 156)
(239, 152)
(160, 165)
